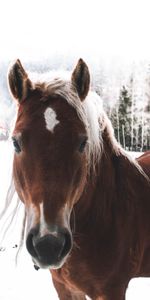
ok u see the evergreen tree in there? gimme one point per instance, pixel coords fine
(115, 121)
(125, 118)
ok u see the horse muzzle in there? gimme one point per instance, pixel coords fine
(50, 250)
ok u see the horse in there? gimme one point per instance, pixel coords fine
(87, 202)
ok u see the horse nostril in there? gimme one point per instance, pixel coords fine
(30, 242)
(67, 243)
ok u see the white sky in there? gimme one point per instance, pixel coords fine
(35, 28)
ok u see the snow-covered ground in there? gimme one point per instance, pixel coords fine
(21, 281)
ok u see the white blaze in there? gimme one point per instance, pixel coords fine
(42, 219)
(50, 119)
(43, 224)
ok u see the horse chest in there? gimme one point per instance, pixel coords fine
(77, 276)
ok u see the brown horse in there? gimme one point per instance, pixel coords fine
(87, 202)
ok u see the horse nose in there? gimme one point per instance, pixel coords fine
(50, 249)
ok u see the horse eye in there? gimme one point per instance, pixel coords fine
(82, 144)
(17, 145)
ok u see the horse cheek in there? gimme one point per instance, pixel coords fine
(80, 180)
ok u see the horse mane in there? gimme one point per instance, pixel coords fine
(9, 214)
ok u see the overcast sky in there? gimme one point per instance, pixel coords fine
(38, 28)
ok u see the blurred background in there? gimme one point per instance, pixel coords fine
(112, 36)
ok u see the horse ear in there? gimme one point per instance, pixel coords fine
(18, 81)
(81, 79)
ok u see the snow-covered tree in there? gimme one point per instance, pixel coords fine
(124, 118)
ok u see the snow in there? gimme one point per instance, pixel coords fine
(22, 281)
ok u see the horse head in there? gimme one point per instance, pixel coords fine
(50, 165)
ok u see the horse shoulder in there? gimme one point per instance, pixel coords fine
(144, 162)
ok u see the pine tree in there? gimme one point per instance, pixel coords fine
(146, 112)
(125, 118)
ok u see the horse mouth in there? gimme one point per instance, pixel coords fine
(40, 265)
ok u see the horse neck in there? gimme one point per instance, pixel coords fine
(112, 193)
